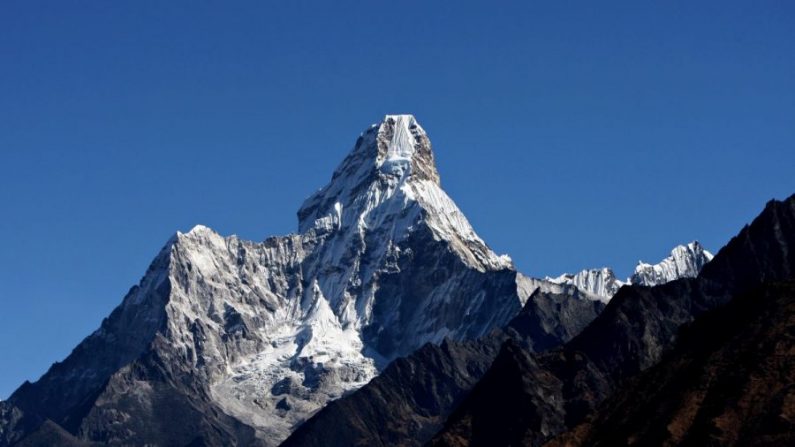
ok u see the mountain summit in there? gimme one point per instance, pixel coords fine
(385, 157)
(390, 180)
(685, 261)
(237, 342)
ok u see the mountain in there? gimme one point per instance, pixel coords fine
(685, 261)
(232, 342)
(527, 399)
(727, 381)
(385, 303)
(602, 283)
(411, 399)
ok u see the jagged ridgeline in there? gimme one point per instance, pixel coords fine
(226, 341)
(697, 361)
(233, 342)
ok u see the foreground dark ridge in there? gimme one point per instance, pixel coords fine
(411, 399)
(728, 381)
(526, 399)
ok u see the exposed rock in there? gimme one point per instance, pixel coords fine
(685, 261)
(552, 392)
(729, 381)
(410, 400)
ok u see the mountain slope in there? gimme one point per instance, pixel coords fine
(554, 391)
(393, 409)
(410, 400)
(237, 342)
(728, 381)
(601, 283)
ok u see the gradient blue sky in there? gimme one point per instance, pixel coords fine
(571, 134)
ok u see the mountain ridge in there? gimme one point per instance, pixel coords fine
(405, 405)
(638, 326)
(384, 262)
(685, 261)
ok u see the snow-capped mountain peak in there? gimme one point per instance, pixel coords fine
(268, 332)
(601, 283)
(685, 261)
(384, 157)
(390, 181)
(359, 238)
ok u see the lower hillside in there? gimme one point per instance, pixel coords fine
(411, 399)
(729, 381)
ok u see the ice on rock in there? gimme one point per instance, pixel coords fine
(685, 261)
(268, 332)
(283, 326)
(600, 283)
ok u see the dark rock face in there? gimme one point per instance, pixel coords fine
(410, 400)
(638, 326)
(148, 402)
(550, 318)
(51, 434)
(403, 405)
(728, 381)
(399, 324)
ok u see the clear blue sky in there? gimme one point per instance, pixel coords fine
(572, 134)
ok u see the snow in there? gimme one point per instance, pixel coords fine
(685, 261)
(401, 146)
(278, 328)
(351, 232)
(600, 283)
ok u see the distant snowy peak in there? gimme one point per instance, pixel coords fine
(685, 261)
(601, 283)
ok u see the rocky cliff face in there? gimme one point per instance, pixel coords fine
(601, 283)
(411, 399)
(239, 341)
(233, 342)
(526, 399)
(727, 381)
